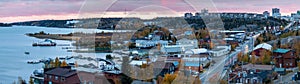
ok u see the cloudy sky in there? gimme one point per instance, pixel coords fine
(25, 10)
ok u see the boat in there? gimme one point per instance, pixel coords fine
(47, 42)
(33, 62)
(27, 53)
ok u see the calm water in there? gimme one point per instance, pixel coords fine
(13, 44)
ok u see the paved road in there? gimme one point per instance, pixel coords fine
(214, 73)
(286, 79)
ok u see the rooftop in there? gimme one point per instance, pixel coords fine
(192, 64)
(280, 50)
(264, 46)
(61, 72)
(259, 67)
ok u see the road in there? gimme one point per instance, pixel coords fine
(216, 72)
(286, 79)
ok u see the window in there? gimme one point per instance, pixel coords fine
(56, 78)
(63, 79)
(50, 76)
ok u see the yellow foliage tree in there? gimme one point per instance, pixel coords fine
(57, 62)
(76, 64)
(168, 79)
(240, 57)
(245, 58)
(64, 64)
(298, 65)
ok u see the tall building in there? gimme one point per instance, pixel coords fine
(266, 13)
(204, 11)
(276, 12)
(298, 12)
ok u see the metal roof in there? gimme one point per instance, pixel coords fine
(279, 50)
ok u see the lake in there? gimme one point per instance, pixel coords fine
(14, 43)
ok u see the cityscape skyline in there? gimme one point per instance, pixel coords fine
(71, 9)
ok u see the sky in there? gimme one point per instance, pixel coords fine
(27, 10)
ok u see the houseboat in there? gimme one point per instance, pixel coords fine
(47, 42)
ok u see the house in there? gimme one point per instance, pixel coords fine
(259, 48)
(220, 50)
(188, 42)
(149, 43)
(257, 68)
(252, 74)
(61, 76)
(164, 67)
(195, 51)
(285, 58)
(171, 49)
(193, 67)
(92, 78)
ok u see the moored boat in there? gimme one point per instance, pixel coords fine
(47, 42)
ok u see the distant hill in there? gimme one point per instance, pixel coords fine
(172, 22)
(5, 25)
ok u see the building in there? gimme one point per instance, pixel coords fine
(193, 67)
(204, 12)
(149, 43)
(257, 68)
(259, 48)
(220, 50)
(185, 41)
(93, 78)
(61, 76)
(164, 67)
(181, 46)
(298, 12)
(252, 74)
(266, 14)
(276, 12)
(285, 58)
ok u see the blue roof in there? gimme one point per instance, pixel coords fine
(279, 50)
(193, 64)
(279, 69)
(176, 63)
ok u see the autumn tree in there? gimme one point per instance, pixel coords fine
(52, 64)
(31, 81)
(57, 62)
(240, 57)
(158, 46)
(160, 80)
(168, 79)
(265, 57)
(197, 80)
(64, 64)
(245, 58)
(223, 82)
(76, 64)
(253, 59)
(296, 47)
(211, 45)
(298, 65)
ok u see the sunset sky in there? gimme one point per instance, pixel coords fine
(26, 10)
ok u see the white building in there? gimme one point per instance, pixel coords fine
(220, 51)
(188, 42)
(149, 43)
